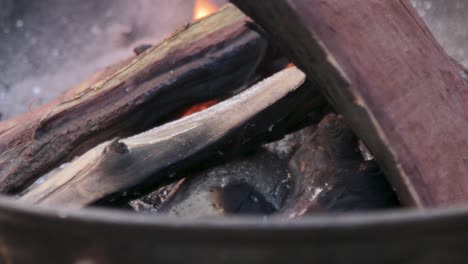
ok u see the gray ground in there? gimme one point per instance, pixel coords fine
(448, 20)
(49, 45)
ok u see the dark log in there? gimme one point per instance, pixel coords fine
(264, 112)
(381, 68)
(207, 59)
(330, 174)
(287, 146)
(255, 184)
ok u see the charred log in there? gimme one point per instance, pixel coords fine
(252, 184)
(330, 174)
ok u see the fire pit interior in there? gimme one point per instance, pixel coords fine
(211, 146)
(268, 119)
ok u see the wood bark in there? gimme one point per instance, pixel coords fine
(143, 162)
(380, 66)
(207, 59)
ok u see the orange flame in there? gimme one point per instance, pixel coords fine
(198, 107)
(203, 8)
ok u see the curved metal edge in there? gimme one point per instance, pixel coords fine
(381, 219)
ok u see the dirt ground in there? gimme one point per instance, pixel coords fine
(48, 46)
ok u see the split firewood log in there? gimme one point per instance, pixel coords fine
(207, 59)
(381, 68)
(265, 112)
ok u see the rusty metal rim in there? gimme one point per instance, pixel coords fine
(391, 218)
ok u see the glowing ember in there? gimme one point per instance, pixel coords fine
(199, 107)
(203, 8)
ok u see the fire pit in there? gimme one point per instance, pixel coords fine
(211, 146)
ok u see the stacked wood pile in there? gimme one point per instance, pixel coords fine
(369, 73)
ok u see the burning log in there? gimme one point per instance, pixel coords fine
(382, 69)
(264, 112)
(329, 174)
(207, 59)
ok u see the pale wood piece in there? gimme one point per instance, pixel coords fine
(140, 163)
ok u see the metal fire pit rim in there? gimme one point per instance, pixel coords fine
(9, 207)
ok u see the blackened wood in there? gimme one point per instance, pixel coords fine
(207, 59)
(287, 146)
(381, 68)
(264, 112)
(251, 184)
(329, 174)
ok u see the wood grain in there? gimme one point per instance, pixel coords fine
(381, 68)
(207, 59)
(130, 167)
